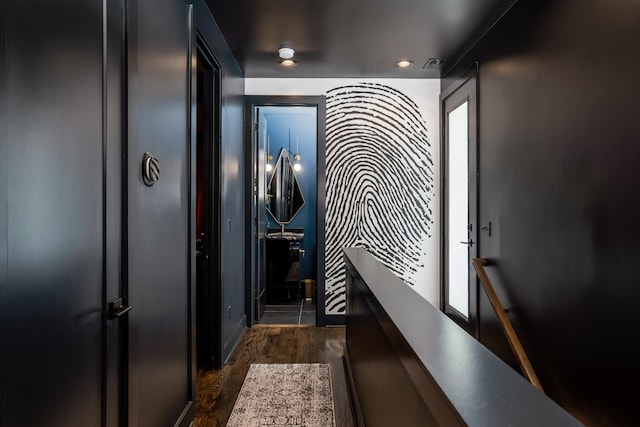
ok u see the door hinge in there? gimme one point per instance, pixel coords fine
(486, 228)
(256, 126)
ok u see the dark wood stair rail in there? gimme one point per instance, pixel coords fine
(505, 323)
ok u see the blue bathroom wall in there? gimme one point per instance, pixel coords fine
(301, 122)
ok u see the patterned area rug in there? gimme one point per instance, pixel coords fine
(275, 395)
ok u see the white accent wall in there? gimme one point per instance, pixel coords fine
(424, 273)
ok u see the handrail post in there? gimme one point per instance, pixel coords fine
(505, 323)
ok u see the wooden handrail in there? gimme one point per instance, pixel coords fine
(505, 323)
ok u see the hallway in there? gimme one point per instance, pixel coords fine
(217, 390)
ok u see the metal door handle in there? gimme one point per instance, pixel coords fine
(122, 311)
(470, 243)
(117, 308)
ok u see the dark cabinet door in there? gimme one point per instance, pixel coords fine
(51, 213)
(158, 235)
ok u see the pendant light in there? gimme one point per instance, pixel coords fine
(268, 166)
(296, 166)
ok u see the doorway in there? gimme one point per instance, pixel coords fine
(285, 164)
(207, 229)
(460, 207)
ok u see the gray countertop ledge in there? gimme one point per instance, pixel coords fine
(483, 389)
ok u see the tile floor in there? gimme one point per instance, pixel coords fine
(298, 311)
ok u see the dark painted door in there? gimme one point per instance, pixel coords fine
(159, 242)
(51, 213)
(208, 330)
(261, 220)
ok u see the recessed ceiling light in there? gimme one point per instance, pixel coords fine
(286, 52)
(404, 63)
(289, 63)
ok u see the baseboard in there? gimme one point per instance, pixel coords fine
(234, 339)
(335, 320)
(351, 387)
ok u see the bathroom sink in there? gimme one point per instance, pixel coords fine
(285, 235)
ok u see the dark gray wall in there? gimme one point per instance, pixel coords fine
(232, 181)
(4, 214)
(63, 141)
(51, 213)
(558, 93)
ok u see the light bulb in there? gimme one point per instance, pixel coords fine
(268, 166)
(288, 63)
(296, 165)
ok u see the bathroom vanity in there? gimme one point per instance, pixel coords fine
(283, 264)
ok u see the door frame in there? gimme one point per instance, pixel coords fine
(319, 102)
(115, 184)
(259, 218)
(212, 155)
(470, 78)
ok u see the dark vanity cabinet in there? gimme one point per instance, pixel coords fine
(283, 265)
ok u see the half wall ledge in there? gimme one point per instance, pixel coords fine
(409, 364)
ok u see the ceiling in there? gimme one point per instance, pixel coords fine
(352, 38)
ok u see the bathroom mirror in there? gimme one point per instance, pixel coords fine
(284, 196)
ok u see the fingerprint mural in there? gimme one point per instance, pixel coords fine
(380, 183)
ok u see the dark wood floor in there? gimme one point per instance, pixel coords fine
(217, 390)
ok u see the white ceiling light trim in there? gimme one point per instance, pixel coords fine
(286, 52)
